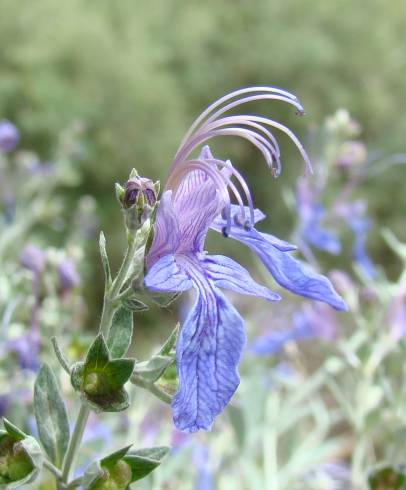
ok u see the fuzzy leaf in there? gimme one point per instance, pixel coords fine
(118, 372)
(15, 433)
(60, 355)
(143, 461)
(116, 456)
(153, 369)
(104, 257)
(77, 373)
(134, 304)
(98, 355)
(120, 333)
(51, 416)
(165, 300)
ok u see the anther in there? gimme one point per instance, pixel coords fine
(247, 225)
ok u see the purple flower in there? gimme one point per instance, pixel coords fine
(196, 198)
(9, 136)
(360, 224)
(352, 153)
(4, 404)
(396, 316)
(68, 275)
(201, 462)
(33, 258)
(97, 431)
(26, 348)
(311, 216)
(274, 341)
(313, 322)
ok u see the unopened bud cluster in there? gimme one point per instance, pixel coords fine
(138, 198)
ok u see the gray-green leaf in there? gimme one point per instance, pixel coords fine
(104, 257)
(51, 416)
(143, 461)
(120, 333)
(98, 354)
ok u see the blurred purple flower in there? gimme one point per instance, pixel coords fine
(97, 431)
(204, 480)
(197, 197)
(337, 471)
(4, 404)
(311, 216)
(314, 321)
(26, 348)
(396, 317)
(150, 425)
(179, 439)
(68, 275)
(352, 153)
(33, 258)
(360, 224)
(9, 136)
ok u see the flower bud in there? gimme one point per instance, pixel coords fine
(139, 190)
(117, 477)
(138, 200)
(20, 457)
(96, 384)
(351, 154)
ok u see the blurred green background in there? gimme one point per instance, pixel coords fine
(137, 72)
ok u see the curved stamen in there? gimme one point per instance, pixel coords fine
(245, 100)
(228, 166)
(273, 149)
(246, 120)
(243, 133)
(281, 127)
(252, 98)
(233, 95)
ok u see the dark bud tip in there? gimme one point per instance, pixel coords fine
(150, 196)
(132, 189)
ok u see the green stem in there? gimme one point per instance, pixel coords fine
(53, 469)
(74, 442)
(133, 254)
(153, 389)
(74, 483)
(109, 307)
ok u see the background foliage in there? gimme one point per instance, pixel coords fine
(136, 73)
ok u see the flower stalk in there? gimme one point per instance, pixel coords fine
(133, 256)
(75, 442)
